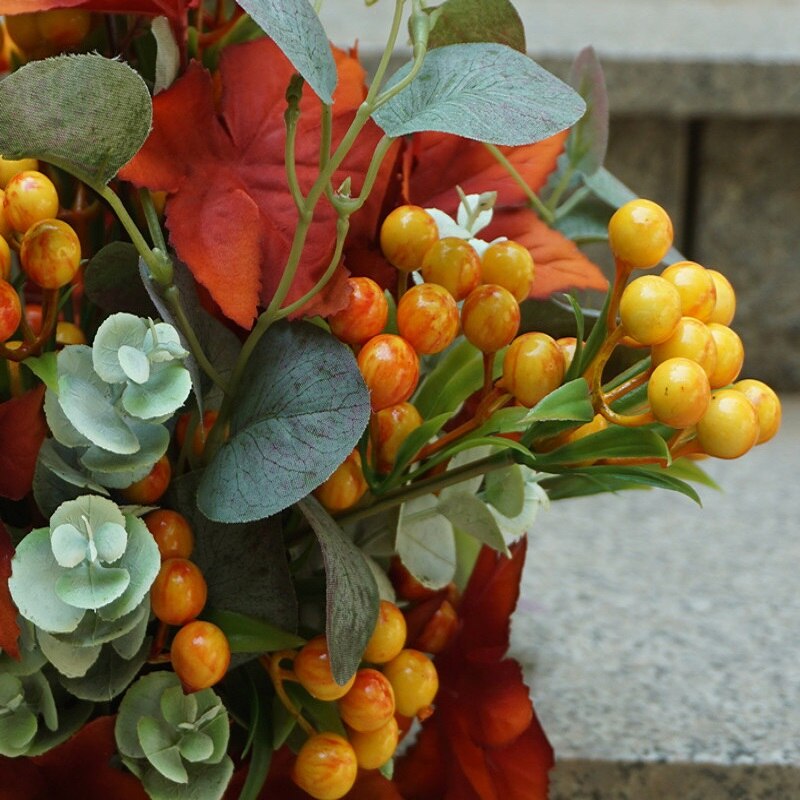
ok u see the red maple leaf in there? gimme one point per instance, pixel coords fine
(9, 630)
(483, 742)
(229, 210)
(22, 431)
(78, 769)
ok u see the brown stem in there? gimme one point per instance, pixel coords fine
(272, 665)
(488, 373)
(34, 347)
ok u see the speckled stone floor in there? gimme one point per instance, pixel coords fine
(662, 640)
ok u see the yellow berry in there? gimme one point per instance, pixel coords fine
(695, 286)
(691, 339)
(406, 236)
(678, 392)
(533, 367)
(650, 309)
(729, 428)
(766, 404)
(509, 265)
(730, 355)
(389, 636)
(640, 234)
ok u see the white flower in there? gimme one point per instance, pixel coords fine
(474, 214)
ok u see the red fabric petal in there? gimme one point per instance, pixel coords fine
(22, 431)
(9, 630)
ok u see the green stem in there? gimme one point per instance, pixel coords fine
(325, 139)
(535, 201)
(291, 117)
(573, 200)
(427, 486)
(151, 217)
(561, 187)
(383, 65)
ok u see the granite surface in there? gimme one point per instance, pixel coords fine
(656, 632)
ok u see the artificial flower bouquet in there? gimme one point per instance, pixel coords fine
(290, 362)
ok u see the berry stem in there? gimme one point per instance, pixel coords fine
(272, 664)
(33, 347)
(622, 271)
(488, 373)
(533, 199)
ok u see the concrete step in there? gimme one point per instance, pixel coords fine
(662, 640)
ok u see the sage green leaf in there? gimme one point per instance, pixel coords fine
(97, 510)
(95, 630)
(31, 659)
(177, 707)
(206, 782)
(159, 743)
(351, 594)
(460, 21)
(117, 331)
(247, 634)
(69, 660)
(588, 140)
(63, 430)
(127, 644)
(487, 92)
(458, 355)
(425, 542)
(142, 699)
(134, 364)
(86, 114)
(153, 441)
(108, 677)
(163, 394)
(505, 490)
(141, 562)
(301, 409)
(111, 281)
(168, 55)
(17, 731)
(91, 585)
(69, 545)
(533, 501)
(39, 697)
(295, 27)
(470, 514)
(34, 573)
(587, 222)
(110, 541)
(11, 691)
(195, 746)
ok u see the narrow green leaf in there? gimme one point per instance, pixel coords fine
(459, 21)
(86, 114)
(571, 401)
(447, 364)
(248, 634)
(295, 27)
(260, 746)
(351, 594)
(588, 140)
(487, 92)
(301, 410)
(415, 441)
(614, 442)
(323, 713)
(45, 368)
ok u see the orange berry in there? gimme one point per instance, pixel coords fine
(438, 630)
(10, 310)
(149, 489)
(389, 636)
(414, 680)
(650, 309)
(695, 286)
(405, 584)
(345, 487)
(201, 431)
(64, 28)
(640, 234)
(5, 258)
(312, 669)
(678, 392)
(454, 264)
(729, 428)
(326, 767)
(9, 168)
(427, 318)
(30, 197)
(406, 235)
(533, 367)
(365, 314)
(69, 333)
(179, 592)
(568, 345)
(766, 404)
(510, 265)
(374, 748)
(369, 704)
(172, 533)
(691, 339)
(390, 369)
(390, 428)
(50, 253)
(200, 655)
(490, 317)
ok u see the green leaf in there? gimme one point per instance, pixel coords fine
(301, 409)
(95, 630)
(91, 586)
(261, 735)
(206, 782)
(351, 594)
(460, 21)
(44, 368)
(447, 364)
(415, 441)
(689, 470)
(505, 490)
(487, 92)
(163, 394)
(86, 114)
(69, 660)
(571, 401)
(613, 442)
(159, 743)
(295, 27)
(469, 514)
(587, 222)
(247, 634)
(588, 140)
(323, 713)
(196, 746)
(245, 566)
(112, 281)
(153, 441)
(425, 542)
(117, 331)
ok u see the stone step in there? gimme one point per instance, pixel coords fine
(662, 640)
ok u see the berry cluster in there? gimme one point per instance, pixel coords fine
(376, 705)
(41, 34)
(200, 652)
(49, 253)
(683, 316)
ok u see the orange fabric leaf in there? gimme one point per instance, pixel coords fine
(229, 211)
(9, 630)
(483, 742)
(22, 431)
(560, 264)
(78, 769)
(172, 9)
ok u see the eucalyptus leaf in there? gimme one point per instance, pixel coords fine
(62, 429)
(425, 542)
(206, 782)
(460, 21)
(91, 586)
(84, 113)
(302, 407)
(163, 393)
(142, 699)
(351, 594)
(295, 27)
(487, 92)
(153, 441)
(160, 744)
(69, 660)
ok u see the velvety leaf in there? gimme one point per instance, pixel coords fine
(206, 782)
(168, 54)
(85, 113)
(295, 27)
(9, 629)
(245, 566)
(111, 281)
(22, 431)
(559, 264)
(351, 594)
(224, 169)
(460, 21)
(301, 409)
(588, 139)
(486, 92)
